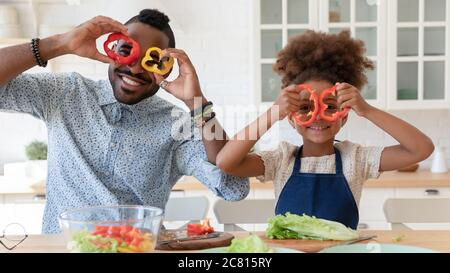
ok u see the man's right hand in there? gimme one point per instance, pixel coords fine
(81, 41)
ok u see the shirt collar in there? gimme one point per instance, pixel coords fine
(106, 97)
(106, 94)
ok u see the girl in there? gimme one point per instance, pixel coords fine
(319, 178)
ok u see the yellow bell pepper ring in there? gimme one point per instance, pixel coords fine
(157, 64)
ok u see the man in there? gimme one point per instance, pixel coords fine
(111, 142)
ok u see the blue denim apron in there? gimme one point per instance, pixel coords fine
(326, 196)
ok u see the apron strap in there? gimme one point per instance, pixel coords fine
(298, 160)
(338, 161)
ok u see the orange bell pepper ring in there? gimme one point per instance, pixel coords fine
(320, 107)
(332, 115)
(125, 60)
(305, 119)
(156, 63)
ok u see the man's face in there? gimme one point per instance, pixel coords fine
(131, 83)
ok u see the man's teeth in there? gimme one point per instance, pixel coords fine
(130, 81)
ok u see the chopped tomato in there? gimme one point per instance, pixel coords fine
(200, 229)
(100, 230)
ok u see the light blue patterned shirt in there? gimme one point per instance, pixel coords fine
(102, 152)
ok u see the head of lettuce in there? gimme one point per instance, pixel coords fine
(292, 226)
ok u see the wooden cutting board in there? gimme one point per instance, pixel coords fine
(309, 246)
(224, 239)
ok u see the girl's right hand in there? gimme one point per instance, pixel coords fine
(81, 41)
(287, 102)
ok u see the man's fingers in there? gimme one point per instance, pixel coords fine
(106, 27)
(115, 26)
(102, 58)
(175, 50)
(159, 79)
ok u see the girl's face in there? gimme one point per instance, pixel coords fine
(320, 131)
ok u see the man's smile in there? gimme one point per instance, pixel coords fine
(131, 83)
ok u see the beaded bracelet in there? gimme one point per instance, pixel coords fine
(35, 49)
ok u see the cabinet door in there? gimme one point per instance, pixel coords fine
(275, 22)
(371, 214)
(418, 54)
(25, 209)
(425, 193)
(366, 19)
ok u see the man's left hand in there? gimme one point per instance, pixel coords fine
(186, 86)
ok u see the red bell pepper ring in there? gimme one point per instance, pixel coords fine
(312, 114)
(126, 60)
(323, 106)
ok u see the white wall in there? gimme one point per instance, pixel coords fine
(217, 36)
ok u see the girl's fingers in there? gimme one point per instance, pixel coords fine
(342, 86)
(343, 98)
(291, 88)
(348, 104)
(346, 91)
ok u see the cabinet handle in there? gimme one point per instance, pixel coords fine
(363, 226)
(39, 197)
(431, 192)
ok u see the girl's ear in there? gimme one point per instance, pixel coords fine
(292, 122)
(344, 120)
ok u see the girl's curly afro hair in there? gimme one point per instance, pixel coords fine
(322, 56)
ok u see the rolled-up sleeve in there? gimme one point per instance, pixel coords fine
(35, 94)
(191, 160)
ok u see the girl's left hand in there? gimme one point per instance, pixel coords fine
(350, 96)
(186, 86)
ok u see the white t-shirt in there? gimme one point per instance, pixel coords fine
(359, 164)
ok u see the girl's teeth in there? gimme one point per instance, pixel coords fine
(130, 82)
(318, 128)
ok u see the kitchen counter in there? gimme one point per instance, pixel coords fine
(433, 239)
(392, 179)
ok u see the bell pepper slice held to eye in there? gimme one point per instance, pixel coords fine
(324, 107)
(132, 57)
(157, 64)
(310, 117)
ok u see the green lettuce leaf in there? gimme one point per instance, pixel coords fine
(85, 242)
(250, 244)
(292, 226)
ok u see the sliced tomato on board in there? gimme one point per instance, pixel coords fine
(200, 229)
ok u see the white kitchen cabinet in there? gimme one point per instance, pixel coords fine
(274, 22)
(407, 39)
(371, 207)
(366, 20)
(25, 209)
(418, 54)
(372, 201)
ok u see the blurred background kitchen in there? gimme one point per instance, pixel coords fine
(232, 44)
